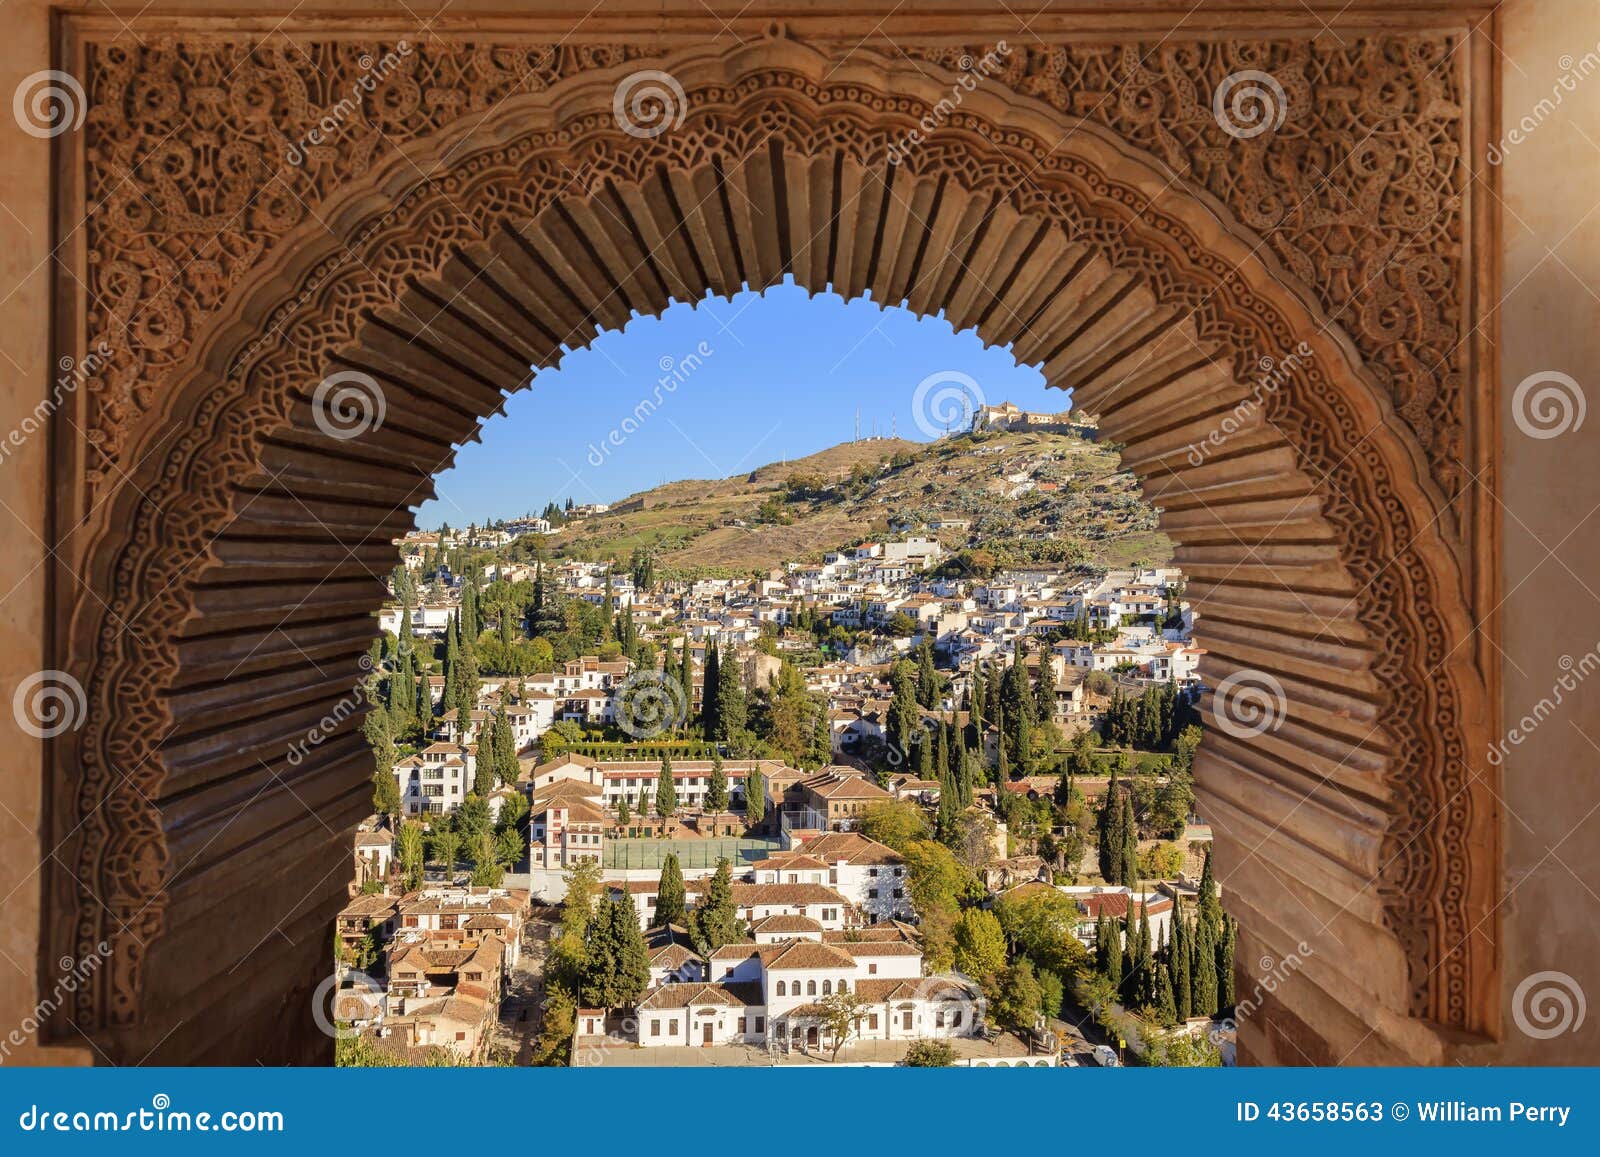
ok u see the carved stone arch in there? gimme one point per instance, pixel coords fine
(245, 553)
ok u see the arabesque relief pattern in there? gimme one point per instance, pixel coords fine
(1358, 192)
(185, 147)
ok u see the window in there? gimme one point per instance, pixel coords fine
(672, 1028)
(741, 1026)
(655, 1028)
(811, 988)
(872, 1021)
(461, 1036)
(827, 988)
(955, 1018)
(844, 985)
(872, 969)
(761, 1025)
(781, 991)
(872, 893)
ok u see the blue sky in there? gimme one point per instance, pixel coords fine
(756, 380)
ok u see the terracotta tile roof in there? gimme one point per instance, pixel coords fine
(775, 924)
(852, 848)
(674, 956)
(694, 995)
(790, 862)
(759, 895)
(794, 954)
(884, 930)
(743, 950)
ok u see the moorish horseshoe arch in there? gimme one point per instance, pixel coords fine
(239, 550)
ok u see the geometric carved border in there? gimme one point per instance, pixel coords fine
(1355, 434)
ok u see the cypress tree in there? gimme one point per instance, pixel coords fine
(623, 814)
(730, 699)
(715, 921)
(1182, 989)
(1203, 971)
(1109, 832)
(1130, 844)
(1225, 951)
(1166, 1004)
(717, 793)
(669, 893)
(710, 696)
(666, 790)
(755, 797)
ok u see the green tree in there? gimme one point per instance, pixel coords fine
(385, 793)
(666, 790)
(980, 945)
(411, 854)
(930, 1054)
(895, 823)
(1020, 999)
(446, 850)
(715, 921)
(670, 893)
(717, 792)
(755, 797)
(842, 1013)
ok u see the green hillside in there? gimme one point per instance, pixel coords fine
(801, 509)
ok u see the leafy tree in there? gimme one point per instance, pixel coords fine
(411, 853)
(446, 849)
(569, 950)
(559, 1025)
(895, 823)
(930, 1054)
(1020, 997)
(385, 793)
(486, 869)
(509, 846)
(1042, 924)
(1052, 993)
(842, 1014)
(980, 945)
(715, 921)
(670, 893)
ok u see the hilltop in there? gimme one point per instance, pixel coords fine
(1023, 497)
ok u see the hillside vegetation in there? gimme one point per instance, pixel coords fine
(1088, 513)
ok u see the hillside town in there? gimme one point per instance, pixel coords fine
(878, 807)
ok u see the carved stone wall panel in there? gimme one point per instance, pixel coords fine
(1359, 191)
(267, 317)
